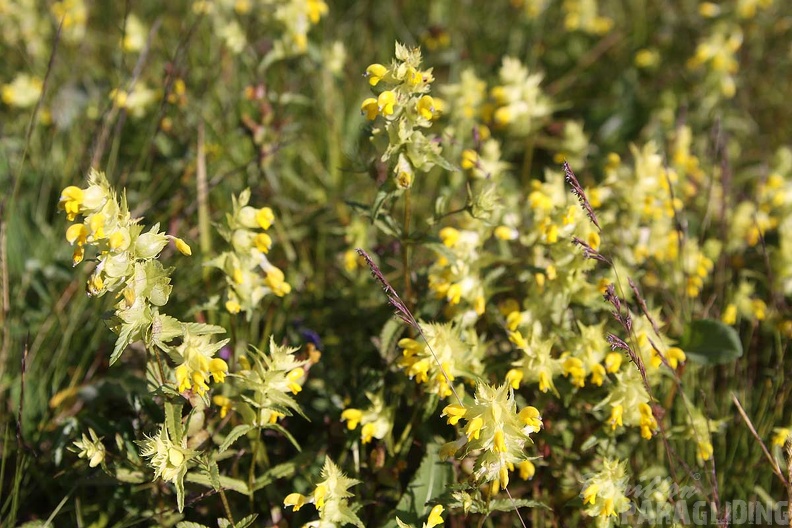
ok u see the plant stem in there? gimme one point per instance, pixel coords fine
(406, 248)
(227, 508)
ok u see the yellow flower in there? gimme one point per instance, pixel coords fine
(70, 200)
(386, 102)
(782, 434)
(470, 158)
(616, 416)
(449, 236)
(435, 517)
(370, 108)
(319, 496)
(597, 374)
(590, 494)
(367, 432)
(352, 417)
(527, 469)
(315, 9)
(729, 315)
(613, 361)
(224, 403)
(454, 413)
(23, 92)
(375, 73)
(295, 500)
(514, 377)
(294, 376)
(531, 417)
(265, 217)
(675, 356)
(182, 246)
(473, 429)
(233, 306)
(425, 107)
(704, 451)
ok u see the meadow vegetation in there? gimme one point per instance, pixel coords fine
(325, 263)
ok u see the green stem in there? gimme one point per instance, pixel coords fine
(406, 248)
(227, 508)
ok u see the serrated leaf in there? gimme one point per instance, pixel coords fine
(280, 471)
(430, 481)
(188, 524)
(506, 505)
(122, 342)
(214, 474)
(173, 421)
(247, 521)
(227, 483)
(203, 329)
(711, 342)
(179, 483)
(234, 435)
(223, 523)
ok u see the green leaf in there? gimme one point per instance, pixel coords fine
(188, 524)
(173, 421)
(506, 505)
(280, 471)
(430, 481)
(711, 342)
(232, 437)
(122, 342)
(383, 195)
(214, 474)
(179, 483)
(225, 482)
(285, 433)
(247, 521)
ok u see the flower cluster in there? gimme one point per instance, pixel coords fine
(495, 432)
(376, 420)
(128, 265)
(404, 102)
(330, 497)
(604, 492)
(520, 106)
(268, 381)
(456, 274)
(93, 449)
(438, 361)
(292, 19)
(243, 266)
